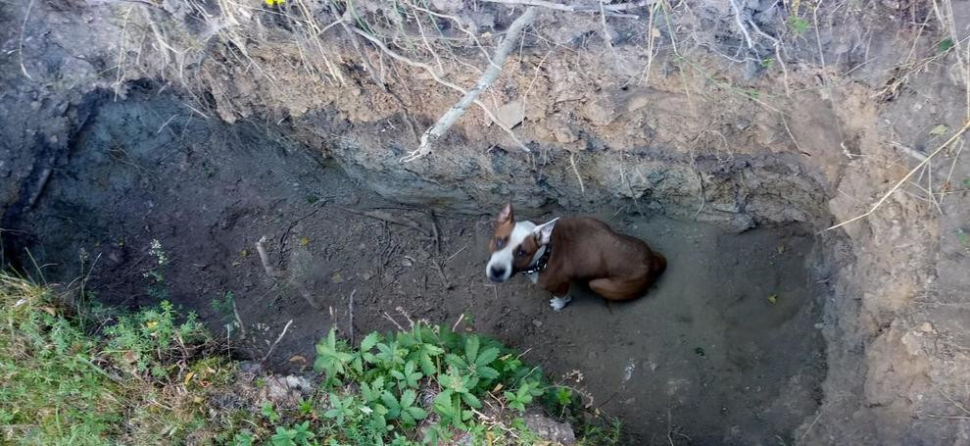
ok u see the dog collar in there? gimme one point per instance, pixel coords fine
(540, 264)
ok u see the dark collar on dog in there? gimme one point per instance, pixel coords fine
(540, 264)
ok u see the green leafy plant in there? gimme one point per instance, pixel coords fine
(157, 288)
(390, 370)
(405, 408)
(299, 435)
(148, 339)
(798, 25)
(305, 407)
(243, 439)
(151, 367)
(946, 44)
(523, 396)
(332, 358)
(408, 377)
(475, 364)
(269, 412)
(340, 408)
(224, 306)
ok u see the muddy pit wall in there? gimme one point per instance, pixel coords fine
(696, 137)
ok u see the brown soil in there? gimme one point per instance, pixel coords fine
(746, 153)
(707, 352)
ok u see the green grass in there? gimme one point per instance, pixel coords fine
(152, 377)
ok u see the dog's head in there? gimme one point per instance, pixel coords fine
(514, 245)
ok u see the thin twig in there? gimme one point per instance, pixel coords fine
(576, 171)
(356, 44)
(949, 176)
(384, 216)
(810, 426)
(351, 310)
(388, 317)
(919, 166)
(278, 339)
(435, 233)
(908, 151)
(451, 116)
(456, 253)
(460, 318)
(818, 41)
(441, 272)
(406, 316)
(23, 29)
(264, 258)
(45, 176)
(737, 19)
(242, 327)
(606, 31)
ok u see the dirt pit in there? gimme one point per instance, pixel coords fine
(726, 349)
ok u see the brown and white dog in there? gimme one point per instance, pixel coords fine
(553, 254)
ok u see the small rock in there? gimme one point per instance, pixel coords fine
(511, 114)
(926, 327)
(298, 383)
(274, 389)
(250, 367)
(549, 429)
(537, 323)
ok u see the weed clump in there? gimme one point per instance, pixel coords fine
(153, 377)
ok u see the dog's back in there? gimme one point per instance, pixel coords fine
(593, 250)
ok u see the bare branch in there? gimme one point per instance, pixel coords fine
(434, 75)
(23, 29)
(264, 259)
(737, 18)
(280, 338)
(448, 119)
(613, 10)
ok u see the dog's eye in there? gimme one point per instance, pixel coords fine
(519, 252)
(499, 243)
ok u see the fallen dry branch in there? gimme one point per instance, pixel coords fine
(441, 273)
(239, 321)
(919, 166)
(488, 77)
(278, 275)
(434, 75)
(280, 338)
(20, 50)
(272, 272)
(384, 216)
(614, 10)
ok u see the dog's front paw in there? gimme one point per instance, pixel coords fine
(558, 303)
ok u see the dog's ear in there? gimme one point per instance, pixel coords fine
(543, 232)
(505, 216)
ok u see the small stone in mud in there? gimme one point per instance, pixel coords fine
(549, 429)
(537, 323)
